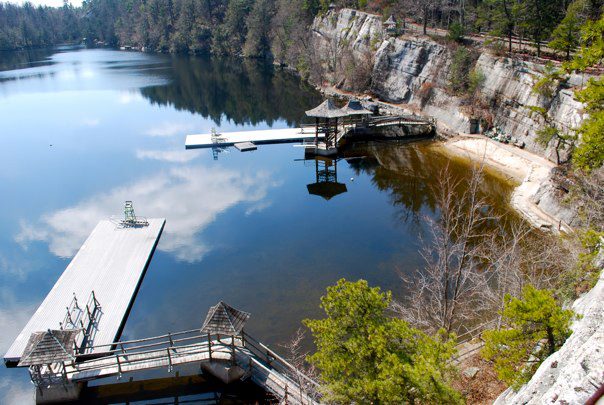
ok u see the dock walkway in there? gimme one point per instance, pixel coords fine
(265, 136)
(98, 287)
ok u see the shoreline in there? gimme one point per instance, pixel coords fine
(527, 169)
(530, 171)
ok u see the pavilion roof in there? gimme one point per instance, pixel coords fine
(52, 346)
(354, 107)
(223, 319)
(326, 109)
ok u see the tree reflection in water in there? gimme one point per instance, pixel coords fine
(242, 91)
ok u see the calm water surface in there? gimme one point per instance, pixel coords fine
(81, 131)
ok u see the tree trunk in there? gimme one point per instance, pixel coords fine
(425, 20)
(551, 341)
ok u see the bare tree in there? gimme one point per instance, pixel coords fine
(475, 259)
(304, 373)
(449, 290)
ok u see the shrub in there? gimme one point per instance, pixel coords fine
(459, 73)
(456, 32)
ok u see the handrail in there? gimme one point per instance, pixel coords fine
(147, 339)
(165, 350)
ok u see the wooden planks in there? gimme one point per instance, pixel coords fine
(265, 136)
(112, 263)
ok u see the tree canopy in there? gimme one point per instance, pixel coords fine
(534, 327)
(366, 356)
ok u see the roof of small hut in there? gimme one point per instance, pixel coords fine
(326, 109)
(354, 107)
(223, 319)
(52, 346)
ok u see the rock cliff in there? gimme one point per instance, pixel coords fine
(414, 71)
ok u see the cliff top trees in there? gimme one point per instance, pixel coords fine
(566, 36)
(366, 356)
(590, 152)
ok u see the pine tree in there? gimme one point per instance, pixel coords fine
(566, 37)
(534, 328)
(365, 356)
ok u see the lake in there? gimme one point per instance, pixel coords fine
(83, 130)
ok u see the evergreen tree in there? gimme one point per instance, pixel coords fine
(589, 155)
(534, 327)
(538, 19)
(567, 34)
(365, 356)
(258, 23)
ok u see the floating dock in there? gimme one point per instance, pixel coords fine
(265, 136)
(103, 278)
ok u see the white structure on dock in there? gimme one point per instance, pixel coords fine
(97, 289)
(265, 136)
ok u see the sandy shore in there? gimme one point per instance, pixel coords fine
(529, 170)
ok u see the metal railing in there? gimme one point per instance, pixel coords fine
(85, 319)
(259, 362)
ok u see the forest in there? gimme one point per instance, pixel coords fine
(279, 28)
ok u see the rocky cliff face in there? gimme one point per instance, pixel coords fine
(415, 72)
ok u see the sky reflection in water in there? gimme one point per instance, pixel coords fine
(84, 130)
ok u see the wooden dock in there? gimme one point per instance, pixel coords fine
(98, 287)
(265, 136)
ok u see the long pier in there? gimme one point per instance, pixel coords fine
(246, 140)
(97, 289)
(265, 136)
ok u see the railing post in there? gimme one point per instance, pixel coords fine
(233, 350)
(210, 347)
(169, 360)
(170, 337)
(119, 366)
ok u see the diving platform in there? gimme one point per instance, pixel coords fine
(258, 137)
(97, 289)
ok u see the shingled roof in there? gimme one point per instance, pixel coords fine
(326, 109)
(52, 346)
(224, 320)
(354, 107)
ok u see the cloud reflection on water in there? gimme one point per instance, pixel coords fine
(171, 156)
(190, 198)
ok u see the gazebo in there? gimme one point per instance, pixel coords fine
(50, 349)
(326, 184)
(223, 319)
(326, 117)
